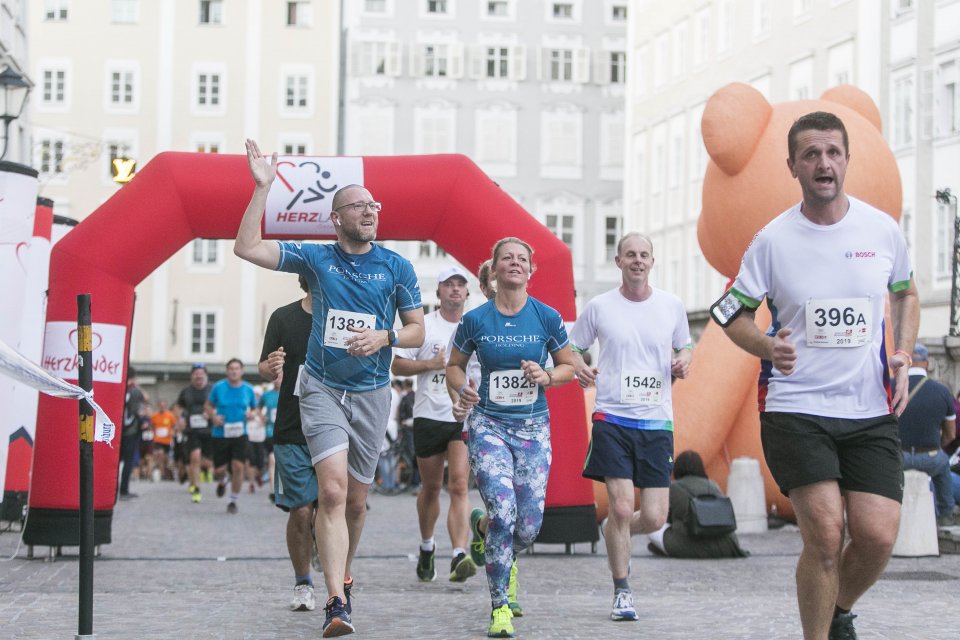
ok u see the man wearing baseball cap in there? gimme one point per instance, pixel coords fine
(436, 435)
(926, 425)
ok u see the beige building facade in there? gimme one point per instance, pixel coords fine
(134, 78)
(903, 53)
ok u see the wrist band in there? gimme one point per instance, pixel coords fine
(905, 355)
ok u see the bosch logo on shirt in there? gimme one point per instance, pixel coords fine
(860, 254)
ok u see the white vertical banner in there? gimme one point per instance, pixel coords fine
(18, 203)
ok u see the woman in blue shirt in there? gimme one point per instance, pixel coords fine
(509, 427)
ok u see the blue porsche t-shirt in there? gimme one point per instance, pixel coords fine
(231, 403)
(269, 401)
(350, 290)
(501, 342)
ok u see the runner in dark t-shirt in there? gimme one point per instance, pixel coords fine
(192, 422)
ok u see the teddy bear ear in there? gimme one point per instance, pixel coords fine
(856, 99)
(732, 124)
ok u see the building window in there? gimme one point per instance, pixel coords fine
(296, 92)
(54, 86)
(375, 6)
(208, 89)
(121, 88)
(618, 67)
(499, 8)
(434, 129)
(701, 37)
(611, 236)
(948, 98)
(561, 65)
(117, 150)
(207, 146)
(761, 18)
(563, 10)
(903, 109)
(211, 11)
(203, 333)
(124, 11)
(561, 143)
(944, 257)
(430, 249)
(562, 227)
(618, 13)
(50, 160)
(294, 149)
(299, 13)
(435, 60)
(55, 10)
(495, 140)
(725, 26)
(498, 62)
(901, 7)
(376, 58)
(437, 6)
(204, 252)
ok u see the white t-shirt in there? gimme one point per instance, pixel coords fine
(432, 400)
(637, 343)
(828, 283)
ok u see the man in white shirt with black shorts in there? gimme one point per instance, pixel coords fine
(436, 434)
(827, 418)
(644, 342)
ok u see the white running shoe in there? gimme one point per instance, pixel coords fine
(623, 607)
(303, 598)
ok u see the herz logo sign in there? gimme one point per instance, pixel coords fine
(60, 351)
(299, 201)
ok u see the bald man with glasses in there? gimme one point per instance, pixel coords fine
(357, 288)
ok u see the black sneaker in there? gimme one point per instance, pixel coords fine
(221, 489)
(232, 508)
(426, 572)
(461, 568)
(842, 627)
(347, 587)
(337, 622)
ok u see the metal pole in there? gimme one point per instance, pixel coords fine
(85, 377)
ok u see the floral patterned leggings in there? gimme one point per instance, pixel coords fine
(511, 461)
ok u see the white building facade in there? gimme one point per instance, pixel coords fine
(531, 90)
(904, 53)
(134, 78)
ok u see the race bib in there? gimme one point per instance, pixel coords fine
(273, 414)
(198, 421)
(146, 436)
(437, 383)
(839, 322)
(256, 431)
(641, 387)
(162, 432)
(511, 388)
(336, 330)
(232, 429)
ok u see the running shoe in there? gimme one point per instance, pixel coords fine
(221, 489)
(623, 610)
(303, 598)
(461, 568)
(512, 587)
(426, 572)
(477, 545)
(841, 628)
(195, 493)
(500, 623)
(347, 588)
(232, 508)
(337, 622)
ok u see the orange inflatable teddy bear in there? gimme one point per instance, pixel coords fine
(746, 185)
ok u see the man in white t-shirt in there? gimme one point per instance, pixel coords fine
(826, 267)
(644, 341)
(436, 434)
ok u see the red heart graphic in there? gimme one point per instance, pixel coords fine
(21, 251)
(96, 340)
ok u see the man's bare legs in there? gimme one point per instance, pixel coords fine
(623, 521)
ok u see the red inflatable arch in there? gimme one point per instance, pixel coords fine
(178, 197)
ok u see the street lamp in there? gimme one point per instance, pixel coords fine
(947, 199)
(15, 92)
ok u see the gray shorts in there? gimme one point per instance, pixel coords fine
(334, 420)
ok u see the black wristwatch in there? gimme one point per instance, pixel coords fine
(392, 337)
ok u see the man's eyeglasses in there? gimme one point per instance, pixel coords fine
(359, 206)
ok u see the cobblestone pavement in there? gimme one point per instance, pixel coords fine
(182, 570)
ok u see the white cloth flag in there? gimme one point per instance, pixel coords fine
(22, 370)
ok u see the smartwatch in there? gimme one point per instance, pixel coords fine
(392, 337)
